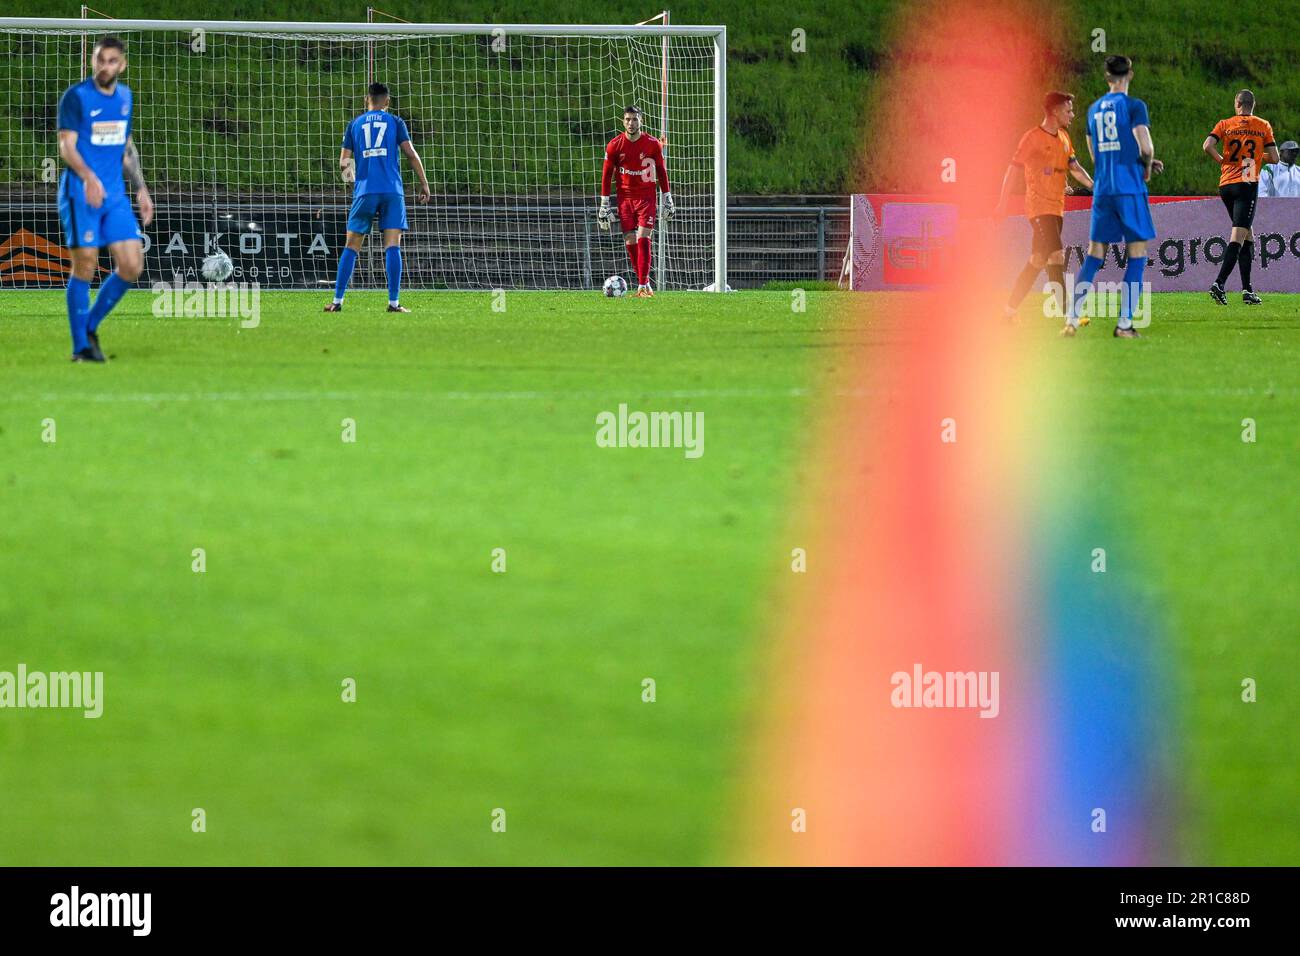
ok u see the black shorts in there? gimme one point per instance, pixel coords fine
(1240, 200)
(1047, 235)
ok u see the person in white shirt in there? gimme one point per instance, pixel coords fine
(1282, 179)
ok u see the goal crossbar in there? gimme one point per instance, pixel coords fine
(399, 29)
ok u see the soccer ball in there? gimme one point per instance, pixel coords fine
(614, 287)
(218, 267)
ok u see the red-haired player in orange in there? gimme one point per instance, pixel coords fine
(638, 159)
(1043, 157)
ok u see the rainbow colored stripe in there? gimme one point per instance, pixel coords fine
(935, 544)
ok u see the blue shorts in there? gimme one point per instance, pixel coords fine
(84, 226)
(391, 208)
(1123, 218)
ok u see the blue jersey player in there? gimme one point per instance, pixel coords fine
(371, 158)
(1119, 139)
(94, 207)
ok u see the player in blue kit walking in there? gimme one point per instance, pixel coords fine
(94, 208)
(1119, 139)
(370, 158)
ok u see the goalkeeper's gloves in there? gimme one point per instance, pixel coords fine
(669, 208)
(604, 214)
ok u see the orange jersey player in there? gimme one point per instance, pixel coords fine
(1043, 158)
(637, 159)
(1247, 144)
(1246, 139)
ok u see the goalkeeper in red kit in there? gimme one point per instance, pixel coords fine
(638, 159)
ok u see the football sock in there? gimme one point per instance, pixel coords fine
(393, 265)
(1024, 282)
(110, 294)
(643, 260)
(634, 256)
(1083, 283)
(1229, 262)
(1132, 290)
(347, 262)
(1244, 262)
(1056, 274)
(78, 309)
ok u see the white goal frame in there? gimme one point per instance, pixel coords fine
(95, 28)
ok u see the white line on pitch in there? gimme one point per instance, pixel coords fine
(157, 397)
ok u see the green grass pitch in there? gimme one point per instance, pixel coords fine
(475, 430)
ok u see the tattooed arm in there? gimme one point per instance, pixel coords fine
(135, 177)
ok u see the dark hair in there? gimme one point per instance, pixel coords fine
(1118, 66)
(110, 42)
(1054, 99)
(377, 90)
(632, 109)
(1246, 98)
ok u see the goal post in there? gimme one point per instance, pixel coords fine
(239, 125)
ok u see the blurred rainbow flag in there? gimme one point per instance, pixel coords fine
(957, 684)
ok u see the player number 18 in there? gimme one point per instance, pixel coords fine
(1106, 129)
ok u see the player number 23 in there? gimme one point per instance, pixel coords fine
(1234, 151)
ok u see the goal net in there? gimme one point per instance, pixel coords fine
(239, 126)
